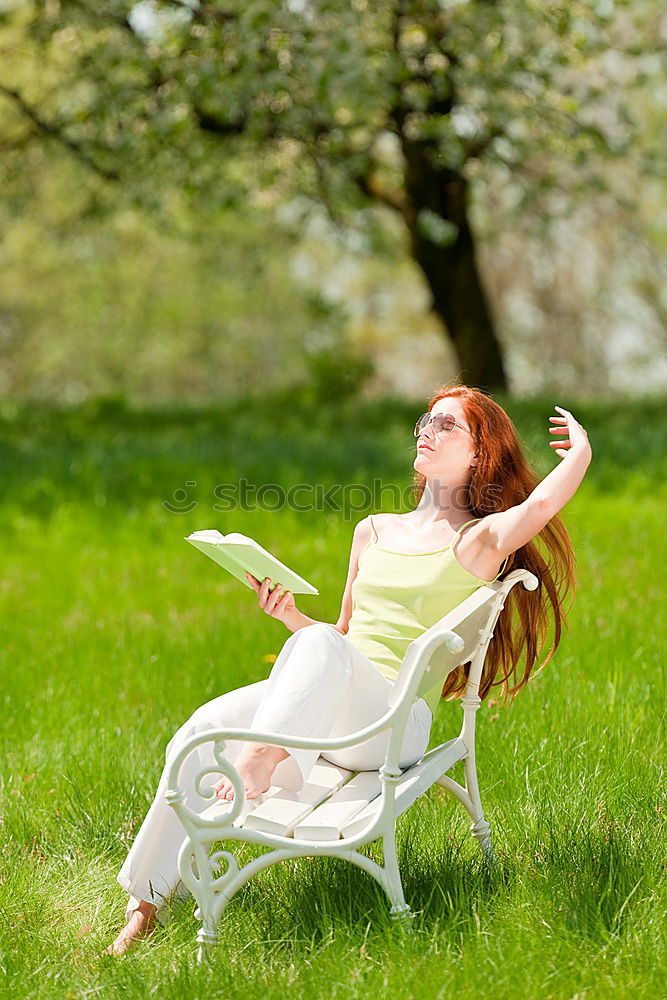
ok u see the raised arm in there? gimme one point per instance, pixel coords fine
(360, 539)
(282, 605)
(508, 530)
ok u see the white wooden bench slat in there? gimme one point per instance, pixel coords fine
(219, 807)
(283, 811)
(326, 775)
(326, 822)
(413, 782)
(357, 823)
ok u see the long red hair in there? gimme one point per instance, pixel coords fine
(501, 479)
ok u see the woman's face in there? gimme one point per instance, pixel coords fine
(447, 458)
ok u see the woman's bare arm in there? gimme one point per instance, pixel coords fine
(360, 539)
(508, 530)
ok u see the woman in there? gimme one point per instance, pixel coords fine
(480, 512)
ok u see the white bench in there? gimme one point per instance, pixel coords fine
(338, 811)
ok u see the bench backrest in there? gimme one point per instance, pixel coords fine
(430, 657)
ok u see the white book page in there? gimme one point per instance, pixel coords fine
(236, 536)
(207, 535)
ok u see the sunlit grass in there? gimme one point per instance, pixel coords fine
(114, 630)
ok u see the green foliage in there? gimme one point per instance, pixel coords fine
(114, 631)
(157, 90)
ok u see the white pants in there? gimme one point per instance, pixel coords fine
(320, 686)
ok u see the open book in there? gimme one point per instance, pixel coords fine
(237, 553)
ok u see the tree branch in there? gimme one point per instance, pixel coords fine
(57, 131)
(392, 197)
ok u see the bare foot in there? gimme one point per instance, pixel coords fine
(140, 925)
(255, 765)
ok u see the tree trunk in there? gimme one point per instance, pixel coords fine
(449, 264)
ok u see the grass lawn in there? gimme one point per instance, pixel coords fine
(114, 630)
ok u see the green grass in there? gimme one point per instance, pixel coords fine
(114, 631)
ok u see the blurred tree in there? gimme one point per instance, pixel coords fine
(346, 102)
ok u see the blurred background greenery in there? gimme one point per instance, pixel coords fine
(200, 199)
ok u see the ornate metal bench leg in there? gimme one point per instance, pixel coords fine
(206, 939)
(400, 910)
(392, 875)
(479, 828)
(482, 833)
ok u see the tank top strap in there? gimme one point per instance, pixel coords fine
(502, 568)
(462, 528)
(373, 527)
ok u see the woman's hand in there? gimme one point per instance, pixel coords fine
(576, 438)
(275, 603)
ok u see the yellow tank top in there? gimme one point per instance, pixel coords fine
(398, 595)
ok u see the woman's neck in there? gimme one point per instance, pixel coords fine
(449, 504)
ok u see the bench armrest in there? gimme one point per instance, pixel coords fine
(220, 736)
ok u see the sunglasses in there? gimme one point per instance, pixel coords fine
(443, 423)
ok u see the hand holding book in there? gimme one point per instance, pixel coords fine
(276, 602)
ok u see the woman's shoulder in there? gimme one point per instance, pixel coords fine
(388, 522)
(363, 530)
(388, 517)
